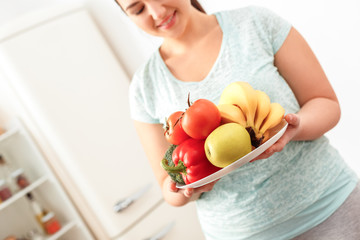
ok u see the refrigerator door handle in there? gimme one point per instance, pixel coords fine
(126, 202)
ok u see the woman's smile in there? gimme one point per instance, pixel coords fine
(168, 22)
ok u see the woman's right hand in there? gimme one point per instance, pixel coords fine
(155, 145)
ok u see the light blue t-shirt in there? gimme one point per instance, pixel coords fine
(275, 198)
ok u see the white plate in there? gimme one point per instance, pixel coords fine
(275, 134)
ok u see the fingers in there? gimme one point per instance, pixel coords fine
(292, 119)
(188, 192)
(279, 145)
(264, 155)
(172, 186)
(276, 147)
(208, 187)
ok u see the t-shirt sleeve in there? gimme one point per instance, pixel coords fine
(139, 107)
(273, 26)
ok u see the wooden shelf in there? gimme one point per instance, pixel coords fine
(23, 192)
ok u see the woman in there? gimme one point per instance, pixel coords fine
(295, 186)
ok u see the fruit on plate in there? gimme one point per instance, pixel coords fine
(231, 113)
(272, 119)
(260, 113)
(227, 143)
(190, 161)
(175, 176)
(244, 96)
(262, 109)
(200, 119)
(174, 133)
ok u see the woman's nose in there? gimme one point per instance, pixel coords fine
(156, 10)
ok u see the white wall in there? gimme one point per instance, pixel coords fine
(331, 27)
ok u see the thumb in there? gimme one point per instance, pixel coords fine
(188, 192)
(172, 186)
(292, 119)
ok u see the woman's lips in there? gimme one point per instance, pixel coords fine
(168, 22)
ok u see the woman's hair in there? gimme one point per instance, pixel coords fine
(194, 3)
(197, 5)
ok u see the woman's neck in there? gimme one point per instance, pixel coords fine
(199, 26)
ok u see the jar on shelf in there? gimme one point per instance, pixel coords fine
(38, 210)
(5, 192)
(50, 223)
(19, 178)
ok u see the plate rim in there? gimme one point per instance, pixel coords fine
(240, 162)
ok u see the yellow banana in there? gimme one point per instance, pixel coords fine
(274, 117)
(266, 136)
(262, 110)
(231, 113)
(244, 96)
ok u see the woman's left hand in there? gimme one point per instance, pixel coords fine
(191, 193)
(291, 131)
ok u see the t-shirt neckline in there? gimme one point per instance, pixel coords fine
(173, 78)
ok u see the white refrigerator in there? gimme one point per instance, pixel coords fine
(68, 125)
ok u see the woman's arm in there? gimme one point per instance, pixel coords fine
(319, 107)
(320, 110)
(155, 145)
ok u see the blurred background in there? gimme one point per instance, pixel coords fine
(113, 48)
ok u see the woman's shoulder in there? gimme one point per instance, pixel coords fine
(240, 12)
(238, 18)
(256, 22)
(146, 76)
(250, 12)
(147, 67)
(147, 72)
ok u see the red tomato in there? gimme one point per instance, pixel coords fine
(174, 133)
(201, 118)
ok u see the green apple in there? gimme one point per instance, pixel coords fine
(227, 143)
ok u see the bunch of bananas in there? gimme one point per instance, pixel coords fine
(252, 108)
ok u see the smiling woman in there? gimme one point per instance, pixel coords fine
(202, 54)
(221, 52)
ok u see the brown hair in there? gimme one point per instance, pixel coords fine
(197, 5)
(194, 3)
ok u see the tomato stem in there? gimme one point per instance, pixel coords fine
(188, 100)
(166, 125)
(178, 120)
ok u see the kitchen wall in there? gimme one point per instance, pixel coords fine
(331, 28)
